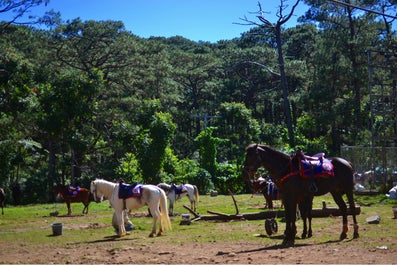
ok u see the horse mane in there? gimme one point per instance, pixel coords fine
(105, 181)
(164, 186)
(265, 148)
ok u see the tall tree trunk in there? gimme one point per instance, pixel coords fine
(51, 169)
(284, 85)
(355, 82)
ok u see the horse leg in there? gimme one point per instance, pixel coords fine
(120, 222)
(69, 208)
(155, 214)
(305, 208)
(171, 213)
(290, 218)
(268, 198)
(352, 207)
(85, 209)
(343, 209)
(302, 211)
(310, 232)
(192, 203)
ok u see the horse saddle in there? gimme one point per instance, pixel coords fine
(315, 166)
(72, 191)
(130, 190)
(179, 189)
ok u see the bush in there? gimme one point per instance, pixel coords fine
(202, 179)
(229, 178)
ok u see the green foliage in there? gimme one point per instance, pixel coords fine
(170, 162)
(273, 135)
(229, 178)
(16, 82)
(207, 145)
(35, 189)
(202, 179)
(152, 144)
(102, 102)
(129, 169)
(237, 126)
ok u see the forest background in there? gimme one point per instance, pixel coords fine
(88, 99)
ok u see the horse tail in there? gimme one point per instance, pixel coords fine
(196, 193)
(164, 217)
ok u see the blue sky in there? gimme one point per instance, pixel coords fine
(206, 20)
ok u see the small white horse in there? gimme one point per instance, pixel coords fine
(175, 192)
(152, 196)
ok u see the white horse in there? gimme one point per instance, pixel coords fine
(175, 192)
(152, 196)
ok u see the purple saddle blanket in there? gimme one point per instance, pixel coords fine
(72, 191)
(320, 168)
(130, 190)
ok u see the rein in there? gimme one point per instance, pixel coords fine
(291, 174)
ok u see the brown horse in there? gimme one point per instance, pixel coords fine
(284, 170)
(2, 199)
(78, 195)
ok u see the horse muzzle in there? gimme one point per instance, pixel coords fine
(98, 199)
(248, 173)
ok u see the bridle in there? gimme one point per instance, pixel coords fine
(251, 171)
(95, 193)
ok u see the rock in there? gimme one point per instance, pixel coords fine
(373, 219)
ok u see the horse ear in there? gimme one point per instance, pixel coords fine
(258, 148)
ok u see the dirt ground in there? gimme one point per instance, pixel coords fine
(133, 250)
(109, 251)
(209, 253)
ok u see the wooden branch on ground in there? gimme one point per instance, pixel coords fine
(234, 201)
(217, 216)
(196, 215)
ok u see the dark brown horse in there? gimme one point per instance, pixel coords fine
(284, 170)
(2, 199)
(70, 195)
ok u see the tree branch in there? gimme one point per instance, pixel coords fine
(263, 66)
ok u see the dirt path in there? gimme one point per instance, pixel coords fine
(198, 253)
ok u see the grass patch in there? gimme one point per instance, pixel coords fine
(29, 227)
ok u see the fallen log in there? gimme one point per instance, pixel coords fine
(316, 213)
(216, 216)
(367, 192)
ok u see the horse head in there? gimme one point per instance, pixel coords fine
(165, 187)
(98, 197)
(252, 161)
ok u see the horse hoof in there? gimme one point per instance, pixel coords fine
(356, 235)
(151, 235)
(288, 242)
(303, 236)
(342, 236)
